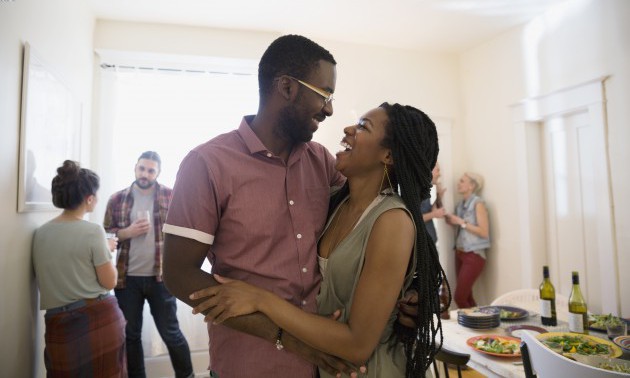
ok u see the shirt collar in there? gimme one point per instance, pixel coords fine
(254, 145)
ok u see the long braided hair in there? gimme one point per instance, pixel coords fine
(412, 138)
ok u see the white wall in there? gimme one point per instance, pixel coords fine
(61, 32)
(588, 40)
(581, 41)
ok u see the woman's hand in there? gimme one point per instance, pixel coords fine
(231, 298)
(112, 243)
(453, 220)
(408, 309)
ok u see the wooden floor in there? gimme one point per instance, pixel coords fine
(452, 373)
(468, 373)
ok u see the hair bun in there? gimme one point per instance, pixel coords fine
(72, 184)
(69, 170)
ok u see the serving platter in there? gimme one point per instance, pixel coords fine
(508, 312)
(582, 346)
(595, 325)
(604, 363)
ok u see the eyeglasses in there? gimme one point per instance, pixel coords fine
(328, 97)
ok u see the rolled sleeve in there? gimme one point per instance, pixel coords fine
(194, 210)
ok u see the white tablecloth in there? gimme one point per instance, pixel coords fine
(455, 337)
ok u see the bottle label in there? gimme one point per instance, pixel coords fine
(545, 308)
(576, 322)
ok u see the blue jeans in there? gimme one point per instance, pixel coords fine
(163, 308)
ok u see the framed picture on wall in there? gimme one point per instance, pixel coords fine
(50, 127)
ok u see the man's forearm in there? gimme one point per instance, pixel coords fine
(183, 277)
(257, 324)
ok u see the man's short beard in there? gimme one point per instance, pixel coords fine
(291, 127)
(151, 183)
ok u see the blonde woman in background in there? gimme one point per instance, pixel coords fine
(472, 237)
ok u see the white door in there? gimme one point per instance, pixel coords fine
(571, 190)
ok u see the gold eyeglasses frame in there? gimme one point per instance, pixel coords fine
(327, 96)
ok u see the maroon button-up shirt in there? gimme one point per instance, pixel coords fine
(261, 219)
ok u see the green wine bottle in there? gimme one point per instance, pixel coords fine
(547, 300)
(578, 318)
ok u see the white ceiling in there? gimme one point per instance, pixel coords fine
(443, 25)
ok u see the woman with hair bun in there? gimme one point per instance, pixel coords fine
(85, 329)
(472, 237)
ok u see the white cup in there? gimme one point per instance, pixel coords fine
(144, 214)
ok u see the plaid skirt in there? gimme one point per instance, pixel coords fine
(86, 342)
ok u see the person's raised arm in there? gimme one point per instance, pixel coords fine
(183, 275)
(386, 261)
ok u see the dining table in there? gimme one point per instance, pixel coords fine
(456, 337)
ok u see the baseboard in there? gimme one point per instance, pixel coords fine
(160, 366)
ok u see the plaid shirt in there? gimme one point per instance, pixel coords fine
(117, 216)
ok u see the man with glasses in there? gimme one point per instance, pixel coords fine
(254, 201)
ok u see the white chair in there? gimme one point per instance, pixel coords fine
(529, 299)
(541, 362)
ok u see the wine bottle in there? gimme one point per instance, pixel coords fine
(578, 319)
(547, 300)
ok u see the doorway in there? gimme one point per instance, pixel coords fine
(564, 199)
(570, 190)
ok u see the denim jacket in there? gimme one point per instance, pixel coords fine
(467, 241)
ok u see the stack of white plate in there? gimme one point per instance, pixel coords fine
(479, 318)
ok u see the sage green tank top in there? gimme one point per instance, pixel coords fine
(340, 279)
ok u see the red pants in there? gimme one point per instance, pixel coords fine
(468, 266)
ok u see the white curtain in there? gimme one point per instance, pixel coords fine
(169, 111)
(193, 328)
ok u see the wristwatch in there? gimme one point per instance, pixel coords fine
(464, 225)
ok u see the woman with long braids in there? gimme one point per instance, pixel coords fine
(372, 246)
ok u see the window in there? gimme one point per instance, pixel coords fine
(168, 110)
(171, 111)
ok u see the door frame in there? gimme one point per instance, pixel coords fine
(527, 117)
(446, 236)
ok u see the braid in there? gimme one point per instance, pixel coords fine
(412, 138)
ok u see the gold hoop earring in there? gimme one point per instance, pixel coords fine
(386, 174)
